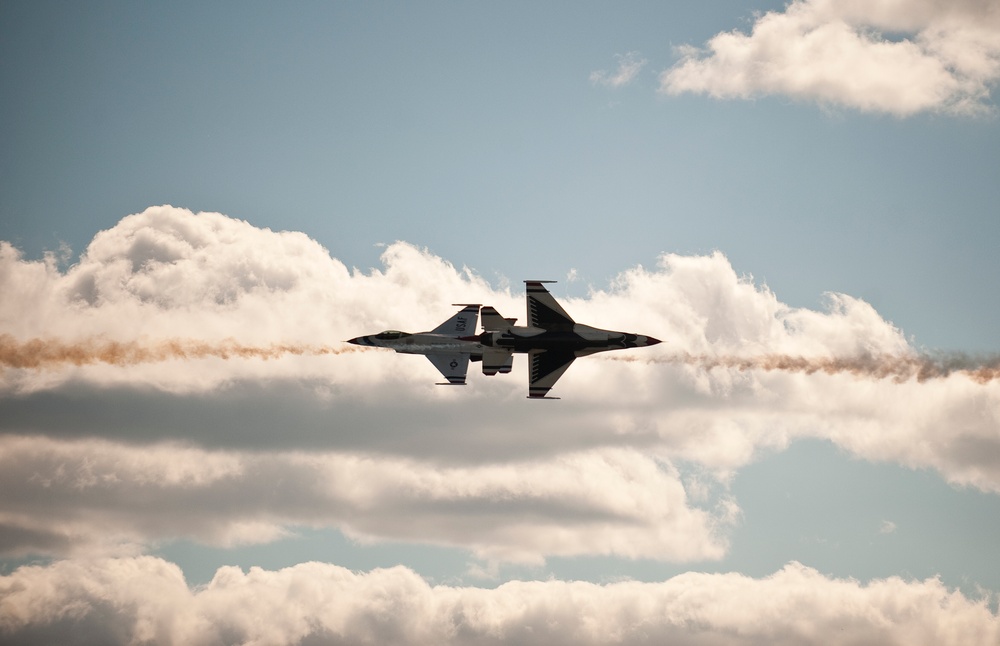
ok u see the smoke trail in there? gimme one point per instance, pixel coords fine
(43, 353)
(900, 368)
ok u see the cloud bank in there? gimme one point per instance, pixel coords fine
(884, 56)
(574, 478)
(187, 379)
(145, 599)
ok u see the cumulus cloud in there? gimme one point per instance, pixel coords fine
(629, 66)
(187, 378)
(886, 56)
(167, 274)
(364, 442)
(144, 599)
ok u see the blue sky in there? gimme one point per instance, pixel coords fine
(819, 147)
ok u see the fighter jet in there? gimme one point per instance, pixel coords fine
(552, 340)
(449, 346)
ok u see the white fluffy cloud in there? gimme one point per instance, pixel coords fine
(353, 440)
(104, 456)
(899, 57)
(144, 599)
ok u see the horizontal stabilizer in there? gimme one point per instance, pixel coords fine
(493, 322)
(497, 360)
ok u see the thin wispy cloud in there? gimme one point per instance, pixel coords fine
(899, 58)
(629, 66)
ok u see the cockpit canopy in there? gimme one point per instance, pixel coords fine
(391, 335)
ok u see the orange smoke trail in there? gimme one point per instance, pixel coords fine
(43, 353)
(900, 368)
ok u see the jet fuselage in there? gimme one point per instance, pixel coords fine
(578, 339)
(421, 343)
(448, 346)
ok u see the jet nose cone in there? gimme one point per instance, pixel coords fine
(652, 340)
(358, 340)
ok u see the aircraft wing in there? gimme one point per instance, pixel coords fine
(452, 366)
(546, 368)
(543, 310)
(462, 324)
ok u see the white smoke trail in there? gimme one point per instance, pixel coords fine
(897, 367)
(44, 353)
